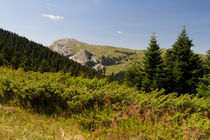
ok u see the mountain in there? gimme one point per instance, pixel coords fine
(17, 51)
(114, 59)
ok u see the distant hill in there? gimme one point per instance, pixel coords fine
(114, 59)
(18, 51)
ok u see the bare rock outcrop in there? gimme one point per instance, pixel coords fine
(87, 59)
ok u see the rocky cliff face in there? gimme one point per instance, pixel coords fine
(85, 58)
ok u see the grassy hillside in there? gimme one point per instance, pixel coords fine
(97, 50)
(123, 56)
(18, 124)
(94, 109)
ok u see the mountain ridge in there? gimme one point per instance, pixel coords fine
(114, 59)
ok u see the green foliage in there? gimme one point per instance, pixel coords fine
(54, 92)
(207, 63)
(152, 67)
(150, 75)
(204, 84)
(152, 116)
(18, 51)
(107, 110)
(184, 68)
(179, 71)
(134, 76)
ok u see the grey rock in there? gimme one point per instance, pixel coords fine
(85, 58)
(98, 67)
(60, 48)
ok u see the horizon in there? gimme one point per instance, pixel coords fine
(120, 23)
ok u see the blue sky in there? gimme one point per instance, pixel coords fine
(122, 23)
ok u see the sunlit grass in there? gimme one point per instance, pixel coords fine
(16, 123)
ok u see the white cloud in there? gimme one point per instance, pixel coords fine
(53, 17)
(119, 32)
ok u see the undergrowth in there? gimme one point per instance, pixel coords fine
(106, 110)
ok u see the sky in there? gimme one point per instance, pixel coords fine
(120, 23)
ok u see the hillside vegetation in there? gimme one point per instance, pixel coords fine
(178, 70)
(18, 51)
(44, 95)
(113, 58)
(95, 109)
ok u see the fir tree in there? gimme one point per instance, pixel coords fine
(152, 67)
(134, 76)
(183, 66)
(204, 84)
(207, 63)
(18, 51)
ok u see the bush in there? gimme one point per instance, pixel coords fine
(103, 107)
(51, 92)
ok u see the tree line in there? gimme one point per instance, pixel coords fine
(178, 70)
(17, 51)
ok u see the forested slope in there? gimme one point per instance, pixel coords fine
(18, 51)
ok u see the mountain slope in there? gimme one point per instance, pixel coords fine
(18, 51)
(113, 58)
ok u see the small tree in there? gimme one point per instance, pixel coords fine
(183, 66)
(152, 67)
(134, 76)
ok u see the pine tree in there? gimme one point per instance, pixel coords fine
(152, 67)
(44, 67)
(207, 63)
(18, 51)
(134, 76)
(183, 66)
(204, 84)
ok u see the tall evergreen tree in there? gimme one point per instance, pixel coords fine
(152, 67)
(183, 66)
